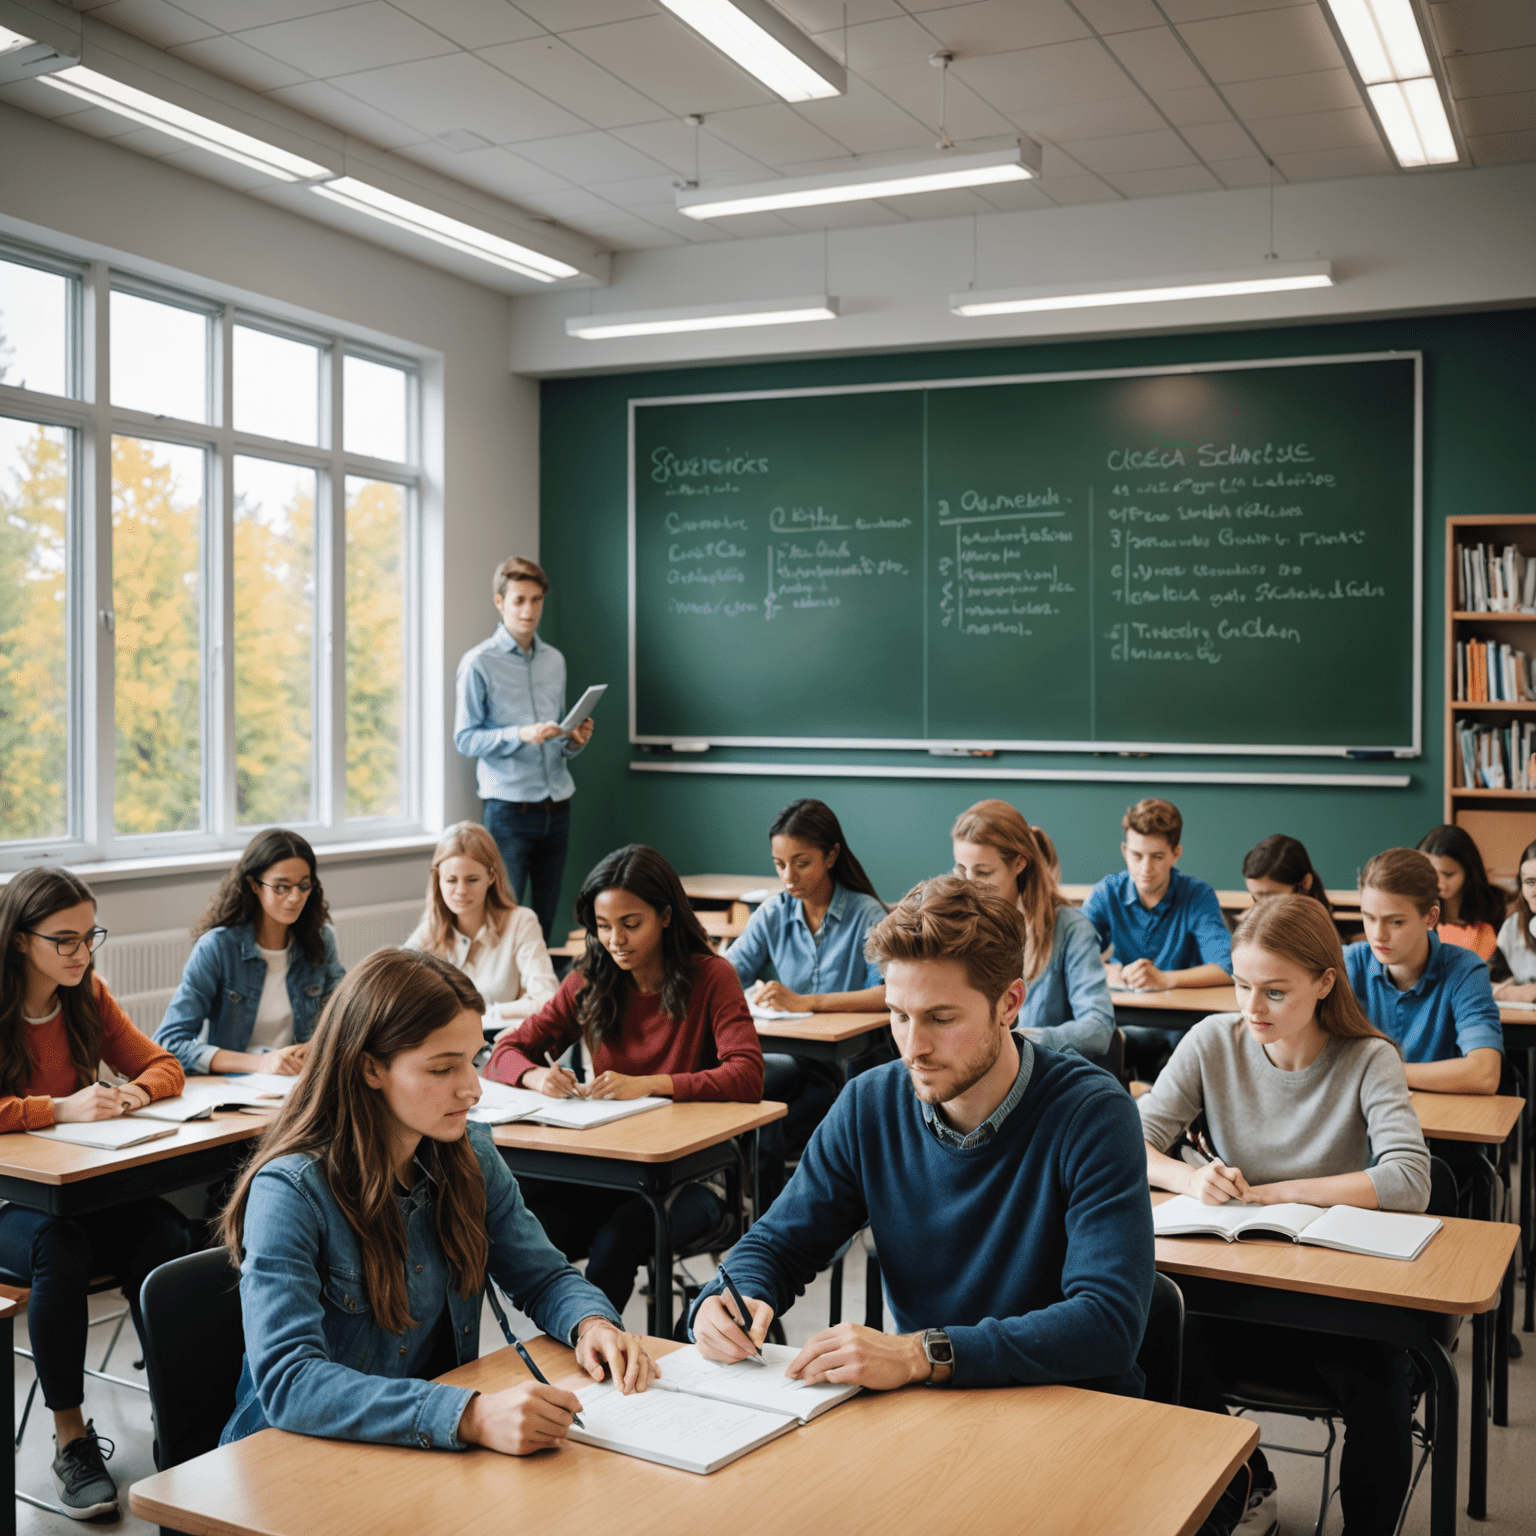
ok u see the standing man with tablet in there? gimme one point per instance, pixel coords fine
(509, 704)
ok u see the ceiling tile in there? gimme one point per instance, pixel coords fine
(1314, 130)
(1091, 119)
(1079, 189)
(1199, 104)
(1108, 16)
(590, 159)
(1477, 26)
(497, 171)
(671, 143)
(1015, 196)
(1503, 148)
(472, 23)
(880, 44)
(459, 90)
(1329, 164)
(237, 61)
(1131, 152)
(991, 26)
(1319, 90)
(341, 42)
(866, 120)
(815, 16)
(843, 216)
(1247, 171)
(1490, 74)
(1218, 141)
(574, 206)
(1046, 77)
(915, 88)
(232, 15)
(1179, 11)
(637, 235)
(1510, 113)
(638, 191)
(1157, 59)
(959, 203)
(155, 21)
(566, 15)
(774, 134)
(1166, 182)
(322, 100)
(558, 71)
(1262, 44)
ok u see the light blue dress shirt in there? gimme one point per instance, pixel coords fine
(1067, 1006)
(1183, 930)
(1448, 1012)
(829, 960)
(501, 688)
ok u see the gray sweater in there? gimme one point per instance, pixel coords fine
(1521, 958)
(1350, 1108)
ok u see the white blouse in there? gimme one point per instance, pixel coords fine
(514, 975)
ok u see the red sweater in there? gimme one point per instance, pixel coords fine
(123, 1049)
(712, 1054)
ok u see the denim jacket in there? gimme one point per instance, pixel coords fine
(222, 983)
(317, 1362)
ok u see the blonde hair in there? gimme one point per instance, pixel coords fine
(952, 919)
(1299, 929)
(1000, 826)
(1403, 872)
(466, 839)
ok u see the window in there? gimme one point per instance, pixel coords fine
(248, 639)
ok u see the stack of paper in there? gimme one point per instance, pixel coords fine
(107, 1135)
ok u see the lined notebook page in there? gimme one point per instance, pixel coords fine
(695, 1434)
(756, 1386)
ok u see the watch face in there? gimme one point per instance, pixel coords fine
(937, 1347)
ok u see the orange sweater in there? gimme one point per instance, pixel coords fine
(123, 1048)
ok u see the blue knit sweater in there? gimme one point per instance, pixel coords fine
(1034, 1250)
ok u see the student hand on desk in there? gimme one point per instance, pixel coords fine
(774, 994)
(552, 1082)
(1515, 992)
(1143, 976)
(289, 1061)
(852, 1354)
(1216, 1183)
(720, 1336)
(98, 1102)
(523, 1419)
(617, 1085)
(602, 1349)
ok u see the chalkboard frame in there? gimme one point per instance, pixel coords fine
(1411, 749)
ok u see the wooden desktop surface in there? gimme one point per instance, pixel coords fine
(1181, 1000)
(830, 1027)
(990, 1462)
(1346, 904)
(656, 1136)
(1485, 1118)
(727, 887)
(1460, 1272)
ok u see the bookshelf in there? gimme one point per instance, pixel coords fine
(1500, 821)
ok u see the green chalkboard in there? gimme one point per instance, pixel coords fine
(1214, 558)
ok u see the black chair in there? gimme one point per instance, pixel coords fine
(194, 1342)
(1113, 1060)
(1161, 1356)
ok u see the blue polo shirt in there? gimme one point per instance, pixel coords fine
(1448, 1012)
(1184, 929)
(829, 960)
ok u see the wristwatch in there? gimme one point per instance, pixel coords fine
(941, 1355)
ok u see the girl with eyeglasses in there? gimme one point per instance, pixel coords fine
(57, 1022)
(263, 966)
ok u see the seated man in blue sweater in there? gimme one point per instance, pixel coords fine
(1004, 1184)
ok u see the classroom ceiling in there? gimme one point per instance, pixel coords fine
(574, 109)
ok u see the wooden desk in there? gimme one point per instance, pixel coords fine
(1008, 1458)
(1461, 1272)
(1346, 904)
(649, 1155)
(1520, 1035)
(1482, 1118)
(834, 1037)
(1179, 1008)
(727, 888)
(8, 1310)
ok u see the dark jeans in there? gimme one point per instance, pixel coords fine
(1370, 1382)
(615, 1230)
(532, 836)
(57, 1257)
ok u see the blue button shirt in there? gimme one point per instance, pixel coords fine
(829, 960)
(1067, 1006)
(1448, 1012)
(1184, 929)
(501, 688)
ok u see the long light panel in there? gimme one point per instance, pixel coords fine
(704, 317)
(191, 127)
(867, 183)
(766, 44)
(1385, 42)
(454, 233)
(1273, 277)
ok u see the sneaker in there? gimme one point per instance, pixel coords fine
(1262, 1517)
(80, 1475)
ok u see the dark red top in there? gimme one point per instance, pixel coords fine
(712, 1054)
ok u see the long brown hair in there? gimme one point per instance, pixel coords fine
(999, 825)
(32, 897)
(1403, 872)
(1481, 901)
(389, 1004)
(235, 904)
(814, 822)
(1299, 929)
(1522, 906)
(469, 840)
(1285, 860)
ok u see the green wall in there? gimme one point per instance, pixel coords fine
(1479, 406)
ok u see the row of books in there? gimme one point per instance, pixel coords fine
(1488, 671)
(1497, 756)
(1490, 580)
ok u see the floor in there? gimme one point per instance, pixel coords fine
(123, 1416)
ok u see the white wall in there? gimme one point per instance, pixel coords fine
(59, 187)
(1399, 244)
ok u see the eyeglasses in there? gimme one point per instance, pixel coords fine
(282, 888)
(69, 944)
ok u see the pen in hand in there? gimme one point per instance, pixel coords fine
(549, 1061)
(744, 1313)
(528, 1360)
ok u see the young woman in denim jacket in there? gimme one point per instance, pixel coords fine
(263, 966)
(367, 1223)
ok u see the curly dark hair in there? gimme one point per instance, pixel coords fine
(235, 903)
(603, 1001)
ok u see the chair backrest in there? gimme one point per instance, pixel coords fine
(194, 1342)
(1161, 1356)
(1444, 1194)
(1113, 1060)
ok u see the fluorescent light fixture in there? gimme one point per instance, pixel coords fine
(705, 317)
(1387, 47)
(191, 127)
(1273, 277)
(23, 57)
(766, 44)
(876, 181)
(10, 40)
(378, 204)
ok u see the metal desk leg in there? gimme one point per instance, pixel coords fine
(661, 1291)
(756, 1155)
(8, 1427)
(1502, 1331)
(1528, 1191)
(1477, 1455)
(1442, 1490)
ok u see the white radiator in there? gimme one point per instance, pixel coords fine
(144, 969)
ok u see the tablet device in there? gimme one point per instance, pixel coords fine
(583, 707)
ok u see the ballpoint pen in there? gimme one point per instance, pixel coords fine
(746, 1316)
(528, 1360)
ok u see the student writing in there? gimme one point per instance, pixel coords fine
(1281, 866)
(473, 920)
(264, 963)
(1517, 938)
(1066, 996)
(1003, 1182)
(1433, 999)
(1304, 1100)
(57, 1021)
(1471, 908)
(367, 1224)
(660, 1014)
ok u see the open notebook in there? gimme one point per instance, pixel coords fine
(700, 1416)
(198, 1100)
(501, 1105)
(107, 1135)
(1349, 1228)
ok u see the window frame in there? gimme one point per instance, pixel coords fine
(92, 422)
